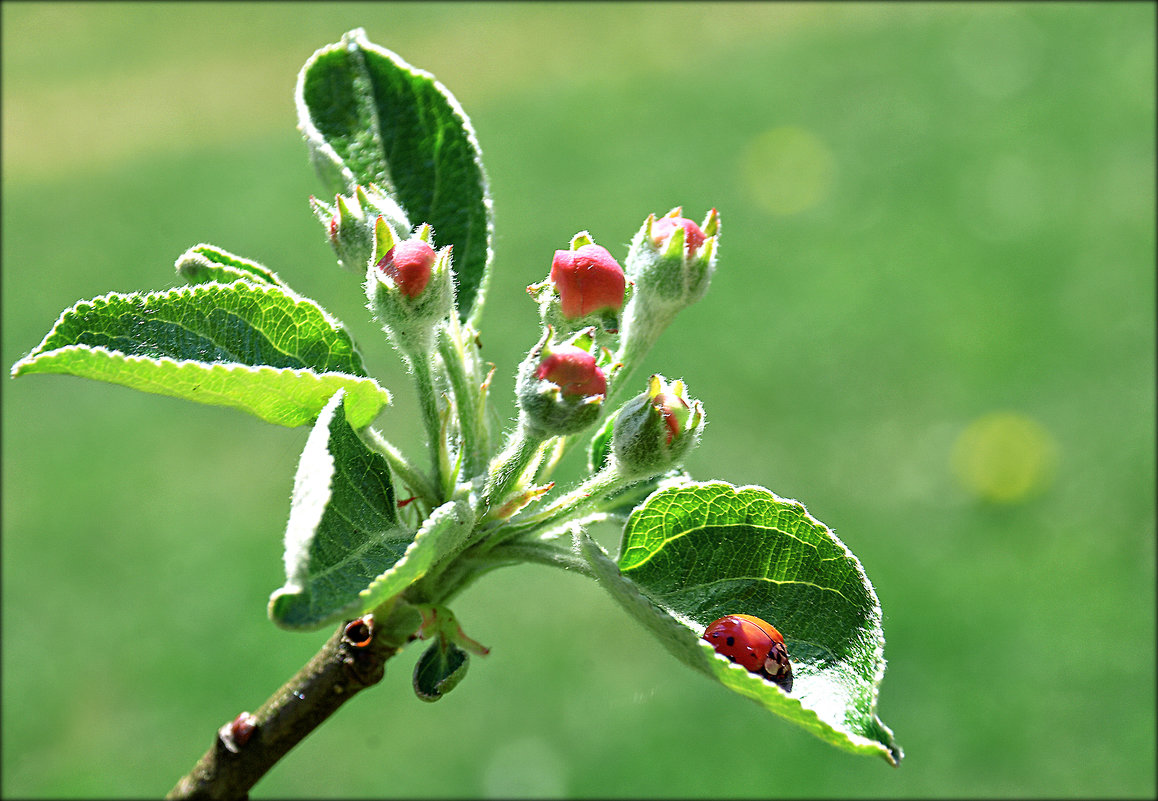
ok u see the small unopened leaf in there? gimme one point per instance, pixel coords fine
(700, 551)
(257, 347)
(204, 263)
(343, 529)
(439, 670)
(369, 117)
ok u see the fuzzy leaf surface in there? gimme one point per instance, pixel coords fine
(699, 551)
(257, 347)
(203, 263)
(369, 117)
(441, 535)
(343, 528)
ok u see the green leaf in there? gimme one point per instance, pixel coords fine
(256, 347)
(203, 263)
(343, 528)
(441, 535)
(442, 666)
(369, 117)
(697, 552)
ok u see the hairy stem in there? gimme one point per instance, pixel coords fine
(466, 397)
(574, 504)
(510, 465)
(428, 404)
(410, 475)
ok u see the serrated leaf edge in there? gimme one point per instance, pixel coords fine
(316, 139)
(876, 612)
(194, 289)
(28, 366)
(809, 718)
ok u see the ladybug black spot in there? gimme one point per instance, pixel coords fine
(731, 641)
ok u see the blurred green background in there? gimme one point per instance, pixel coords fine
(933, 322)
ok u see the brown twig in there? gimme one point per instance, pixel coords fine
(244, 750)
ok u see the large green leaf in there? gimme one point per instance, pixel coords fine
(345, 550)
(343, 528)
(369, 117)
(700, 551)
(257, 347)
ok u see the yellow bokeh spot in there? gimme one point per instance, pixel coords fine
(1004, 457)
(787, 170)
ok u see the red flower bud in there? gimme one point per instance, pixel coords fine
(574, 371)
(589, 280)
(408, 264)
(664, 227)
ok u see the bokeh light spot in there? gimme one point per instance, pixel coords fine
(999, 54)
(787, 170)
(1004, 457)
(525, 768)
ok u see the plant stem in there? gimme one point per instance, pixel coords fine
(544, 554)
(428, 404)
(576, 503)
(335, 674)
(509, 466)
(466, 396)
(409, 474)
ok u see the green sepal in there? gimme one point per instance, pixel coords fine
(697, 552)
(369, 117)
(257, 347)
(599, 449)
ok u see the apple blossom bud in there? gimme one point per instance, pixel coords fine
(408, 264)
(670, 265)
(671, 260)
(561, 387)
(655, 430)
(586, 287)
(574, 371)
(410, 287)
(588, 280)
(350, 223)
(664, 227)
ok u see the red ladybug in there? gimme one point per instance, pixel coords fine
(753, 643)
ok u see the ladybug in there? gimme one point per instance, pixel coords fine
(753, 643)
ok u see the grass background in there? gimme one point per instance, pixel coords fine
(933, 322)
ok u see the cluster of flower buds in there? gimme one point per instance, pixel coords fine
(586, 287)
(671, 261)
(654, 431)
(351, 220)
(410, 286)
(561, 386)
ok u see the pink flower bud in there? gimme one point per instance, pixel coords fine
(574, 371)
(664, 227)
(674, 411)
(408, 264)
(588, 279)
